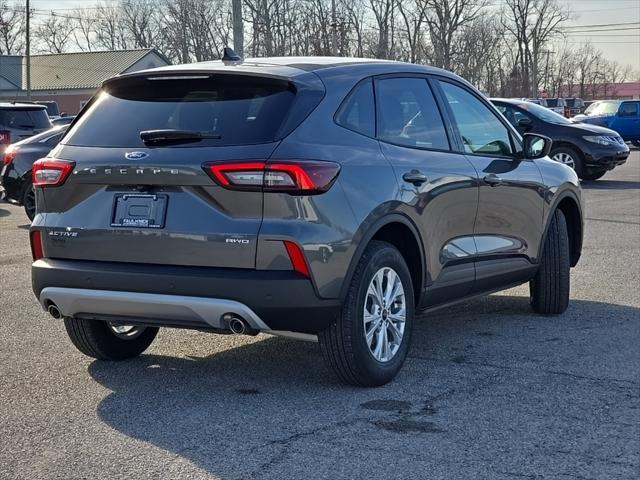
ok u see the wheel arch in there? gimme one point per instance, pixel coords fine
(569, 205)
(398, 230)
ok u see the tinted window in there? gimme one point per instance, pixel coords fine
(574, 102)
(545, 114)
(629, 109)
(481, 131)
(511, 114)
(358, 112)
(236, 110)
(26, 119)
(408, 114)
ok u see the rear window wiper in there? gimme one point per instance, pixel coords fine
(172, 137)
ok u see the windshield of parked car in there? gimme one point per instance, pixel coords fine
(544, 113)
(602, 108)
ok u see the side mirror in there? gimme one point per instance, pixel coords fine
(525, 122)
(536, 146)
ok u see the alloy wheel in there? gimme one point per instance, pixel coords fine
(126, 332)
(384, 314)
(567, 159)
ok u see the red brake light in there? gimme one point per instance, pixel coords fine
(302, 177)
(5, 137)
(50, 172)
(36, 244)
(298, 260)
(9, 155)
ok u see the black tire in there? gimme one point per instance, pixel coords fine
(96, 339)
(594, 175)
(29, 201)
(343, 344)
(549, 289)
(574, 154)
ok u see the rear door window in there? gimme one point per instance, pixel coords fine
(408, 114)
(24, 119)
(234, 110)
(628, 109)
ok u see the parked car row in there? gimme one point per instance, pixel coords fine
(591, 150)
(17, 161)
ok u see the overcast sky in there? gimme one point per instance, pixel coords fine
(620, 45)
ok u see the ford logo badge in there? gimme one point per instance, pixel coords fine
(135, 155)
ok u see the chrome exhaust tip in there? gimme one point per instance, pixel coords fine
(54, 311)
(237, 326)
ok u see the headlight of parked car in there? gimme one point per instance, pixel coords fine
(602, 140)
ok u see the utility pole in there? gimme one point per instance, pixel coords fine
(334, 29)
(28, 56)
(238, 27)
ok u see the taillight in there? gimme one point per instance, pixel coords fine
(35, 238)
(9, 154)
(302, 177)
(50, 172)
(5, 137)
(297, 258)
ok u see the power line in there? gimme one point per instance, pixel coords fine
(603, 30)
(603, 25)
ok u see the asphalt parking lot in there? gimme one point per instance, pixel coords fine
(489, 391)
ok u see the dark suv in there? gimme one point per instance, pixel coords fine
(21, 120)
(319, 198)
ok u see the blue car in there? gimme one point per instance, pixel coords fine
(621, 116)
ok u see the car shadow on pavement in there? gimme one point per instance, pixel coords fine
(233, 412)
(610, 185)
(4, 213)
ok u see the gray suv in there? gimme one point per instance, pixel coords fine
(320, 198)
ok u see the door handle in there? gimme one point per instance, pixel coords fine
(415, 177)
(492, 180)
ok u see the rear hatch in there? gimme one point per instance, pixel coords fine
(129, 200)
(22, 121)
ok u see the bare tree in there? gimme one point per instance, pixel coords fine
(140, 21)
(413, 16)
(84, 29)
(445, 19)
(532, 23)
(12, 29)
(53, 34)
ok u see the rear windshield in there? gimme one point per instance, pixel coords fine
(235, 110)
(552, 102)
(24, 119)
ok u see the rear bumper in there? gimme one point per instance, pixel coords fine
(176, 296)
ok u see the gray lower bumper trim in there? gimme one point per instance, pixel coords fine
(75, 301)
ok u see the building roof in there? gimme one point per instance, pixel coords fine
(81, 69)
(11, 69)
